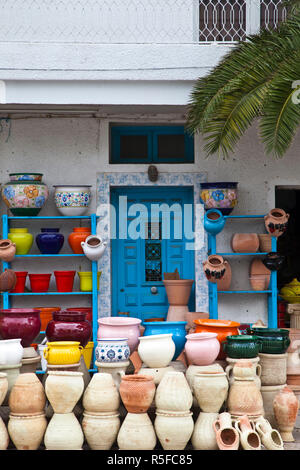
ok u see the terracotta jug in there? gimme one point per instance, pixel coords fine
(75, 238)
(226, 435)
(137, 392)
(136, 433)
(173, 393)
(249, 438)
(214, 268)
(7, 250)
(286, 407)
(204, 436)
(210, 389)
(27, 395)
(166, 426)
(101, 394)
(276, 222)
(27, 431)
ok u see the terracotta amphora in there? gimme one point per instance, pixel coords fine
(270, 437)
(214, 268)
(286, 407)
(204, 436)
(226, 435)
(137, 392)
(7, 250)
(27, 395)
(249, 438)
(276, 222)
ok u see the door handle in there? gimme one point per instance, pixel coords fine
(154, 290)
(121, 290)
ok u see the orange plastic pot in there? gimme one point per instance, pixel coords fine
(223, 328)
(46, 315)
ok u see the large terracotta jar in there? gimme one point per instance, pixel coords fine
(101, 429)
(118, 327)
(210, 389)
(273, 369)
(276, 222)
(286, 407)
(101, 394)
(27, 431)
(202, 349)
(27, 395)
(167, 424)
(136, 433)
(173, 393)
(204, 436)
(69, 326)
(24, 323)
(268, 393)
(223, 328)
(63, 390)
(137, 392)
(75, 238)
(63, 433)
(214, 268)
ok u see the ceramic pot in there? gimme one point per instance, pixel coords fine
(21, 281)
(72, 200)
(136, 433)
(116, 370)
(100, 430)
(268, 393)
(63, 352)
(214, 221)
(219, 195)
(273, 369)
(86, 280)
(214, 267)
(202, 349)
(255, 373)
(63, 433)
(156, 350)
(245, 243)
(46, 315)
(227, 436)
(156, 373)
(11, 351)
(241, 346)
(118, 327)
(177, 328)
(4, 436)
(22, 239)
(210, 389)
(249, 438)
(265, 242)
(12, 372)
(244, 397)
(25, 176)
(178, 291)
(259, 275)
(64, 280)
(50, 241)
(223, 328)
(3, 386)
(272, 340)
(39, 282)
(112, 350)
(204, 437)
(75, 238)
(173, 393)
(87, 310)
(25, 198)
(27, 395)
(21, 323)
(273, 261)
(286, 407)
(63, 390)
(166, 426)
(69, 326)
(137, 392)
(276, 222)
(225, 282)
(93, 247)
(27, 432)
(192, 370)
(270, 438)
(30, 365)
(101, 394)
(8, 280)
(7, 250)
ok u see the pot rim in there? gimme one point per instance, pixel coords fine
(242, 337)
(72, 185)
(71, 373)
(112, 339)
(219, 185)
(200, 336)
(12, 340)
(155, 336)
(216, 323)
(211, 373)
(119, 321)
(62, 343)
(19, 310)
(137, 378)
(172, 323)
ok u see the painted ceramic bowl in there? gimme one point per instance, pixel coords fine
(25, 198)
(222, 196)
(271, 340)
(72, 200)
(112, 350)
(25, 176)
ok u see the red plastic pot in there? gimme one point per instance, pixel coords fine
(39, 282)
(21, 280)
(87, 310)
(24, 323)
(64, 280)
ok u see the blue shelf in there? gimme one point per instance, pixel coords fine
(244, 291)
(47, 256)
(52, 293)
(48, 218)
(242, 254)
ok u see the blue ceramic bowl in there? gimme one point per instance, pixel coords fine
(177, 328)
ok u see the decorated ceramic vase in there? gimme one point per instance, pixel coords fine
(112, 350)
(241, 346)
(25, 197)
(286, 407)
(276, 222)
(219, 195)
(214, 268)
(62, 352)
(50, 241)
(72, 200)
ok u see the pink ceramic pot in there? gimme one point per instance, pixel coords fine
(202, 349)
(118, 327)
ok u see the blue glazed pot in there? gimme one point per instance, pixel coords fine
(221, 195)
(177, 328)
(50, 241)
(214, 221)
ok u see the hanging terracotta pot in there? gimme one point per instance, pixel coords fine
(136, 433)
(210, 389)
(226, 435)
(63, 433)
(100, 430)
(173, 393)
(286, 407)
(204, 436)
(137, 392)
(7, 250)
(101, 394)
(27, 431)
(27, 396)
(166, 426)
(214, 267)
(276, 222)
(63, 390)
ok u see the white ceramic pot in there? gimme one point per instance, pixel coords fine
(166, 426)
(210, 389)
(27, 431)
(156, 350)
(116, 370)
(101, 395)
(173, 393)
(93, 247)
(100, 429)
(192, 370)
(72, 200)
(204, 436)
(136, 433)
(63, 433)
(11, 351)
(157, 374)
(63, 390)
(3, 386)
(112, 350)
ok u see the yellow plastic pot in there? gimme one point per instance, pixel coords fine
(22, 239)
(86, 283)
(87, 353)
(63, 352)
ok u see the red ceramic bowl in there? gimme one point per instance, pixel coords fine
(24, 323)
(39, 282)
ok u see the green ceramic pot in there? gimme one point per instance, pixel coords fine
(241, 346)
(271, 340)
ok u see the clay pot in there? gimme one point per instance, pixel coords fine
(294, 335)
(268, 393)
(241, 346)
(225, 282)
(245, 243)
(3, 386)
(276, 222)
(265, 242)
(21, 281)
(100, 430)
(40, 282)
(25, 197)
(166, 426)
(214, 267)
(177, 328)
(273, 261)
(286, 407)
(12, 372)
(192, 370)
(227, 436)
(69, 326)
(8, 280)
(62, 352)
(202, 349)
(119, 327)
(93, 247)
(244, 397)
(101, 394)
(64, 433)
(156, 350)
(256, 369)
(210, 389)
(27, 431)
(249, 438)
(116, 370)
(21, 323)
(136, 433)
(46, 315)
(273, 369)
(112, 350)
(22, 238)
(63, 390)
(7, 250)
(75, 238)
(173, 393)
(223, 328)
(293, 379)
(27, 396)
(64, 280)
(270, 438)
(178, 291)
(137, 392)
(50, 241)
(4, 437)
(259, 275)
(204, 437)
(214, 221)
(156, 373)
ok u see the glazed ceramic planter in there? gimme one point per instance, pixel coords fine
(49, 241)
(27, 395)
(27, 432)
(62, 352)
(286, 407)
(245, 243)
(25, 197)
(20, 323)
(69, 326)
(11, 351)
(39, 282)
(273, 368)
(210, 389)
(64, 280)
(21, 281)
(112, 350)
(25, 176)
(7, 250)
(117, 327)
(93, 247)
(156, 350)
(86, 280)
(101, 394)
(241, 346)
(271, 340)
(214, 268)
(166, 426)
(63, 433)
(78, 236)
(173, 393)
(273, 261)
(202, 349)
(72, 200)
(22, 238)
(204, 436)
(276, 222)
(137, 392)
(223, 328)
(219, 195)
(227, 436)
(100, 430)
(63, 390)
(177, 328)
(214, 221)
(136, 433)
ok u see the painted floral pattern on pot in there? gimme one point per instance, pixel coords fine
(221, 196)
(72, 199)
(25, 176)
(112, 350)
(24, 195)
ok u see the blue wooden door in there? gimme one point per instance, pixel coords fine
(150, 240)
